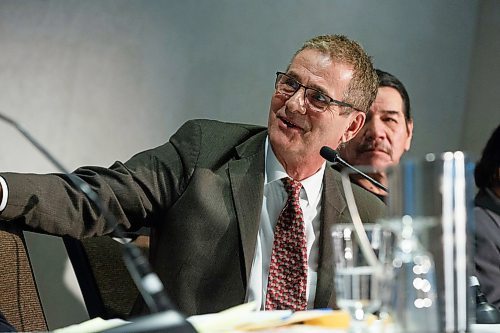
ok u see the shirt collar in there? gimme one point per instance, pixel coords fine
(275, 171)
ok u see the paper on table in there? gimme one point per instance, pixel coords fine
(234, 317)
(240, 318)
(332, 319)
(93, 325)
(245, 318)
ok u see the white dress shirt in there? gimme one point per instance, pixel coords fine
(274, 200)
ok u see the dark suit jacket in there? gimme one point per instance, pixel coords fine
(487, 256)
(202, 194)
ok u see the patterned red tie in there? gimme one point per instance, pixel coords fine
(286, 285)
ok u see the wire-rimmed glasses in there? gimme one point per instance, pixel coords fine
(315, 99)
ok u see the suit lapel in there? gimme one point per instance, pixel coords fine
(333, 207)
(247, 184)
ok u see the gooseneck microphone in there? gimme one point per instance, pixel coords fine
(333, 156)
(148, 283)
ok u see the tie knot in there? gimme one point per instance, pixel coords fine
(292, 187)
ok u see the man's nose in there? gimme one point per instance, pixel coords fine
(375, 129)
(296, 102)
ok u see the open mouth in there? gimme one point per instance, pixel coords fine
(289, 124)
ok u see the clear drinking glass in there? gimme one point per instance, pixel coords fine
(361, 287)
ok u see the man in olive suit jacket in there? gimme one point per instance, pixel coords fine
(210, 194)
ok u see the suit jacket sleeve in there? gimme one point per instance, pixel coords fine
(135, 192)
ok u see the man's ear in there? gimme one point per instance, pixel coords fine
(357, 122)
(409, 130)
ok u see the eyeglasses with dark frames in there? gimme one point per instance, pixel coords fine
(315, 99)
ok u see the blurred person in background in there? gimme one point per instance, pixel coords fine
(487, 219)
(385, 136)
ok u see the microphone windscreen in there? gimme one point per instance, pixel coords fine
(329, 154)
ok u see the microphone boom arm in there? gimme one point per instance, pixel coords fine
(333, 156)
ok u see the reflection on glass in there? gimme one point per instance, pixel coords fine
(359, 286)
(414, 297)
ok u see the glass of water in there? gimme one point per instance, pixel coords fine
(362, 286)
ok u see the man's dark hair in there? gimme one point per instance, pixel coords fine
(388, 80)
(486, 173)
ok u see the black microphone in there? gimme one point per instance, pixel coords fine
(485, 312)
(148, 283)
(333, 156)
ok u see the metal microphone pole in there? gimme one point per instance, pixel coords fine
(333, 156)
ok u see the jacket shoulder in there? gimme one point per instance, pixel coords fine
(213, 142)
(215, 128)
(370, 207)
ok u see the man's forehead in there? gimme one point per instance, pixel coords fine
(388, 99)
(383, 113)
(319, 70)
(314, 59)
